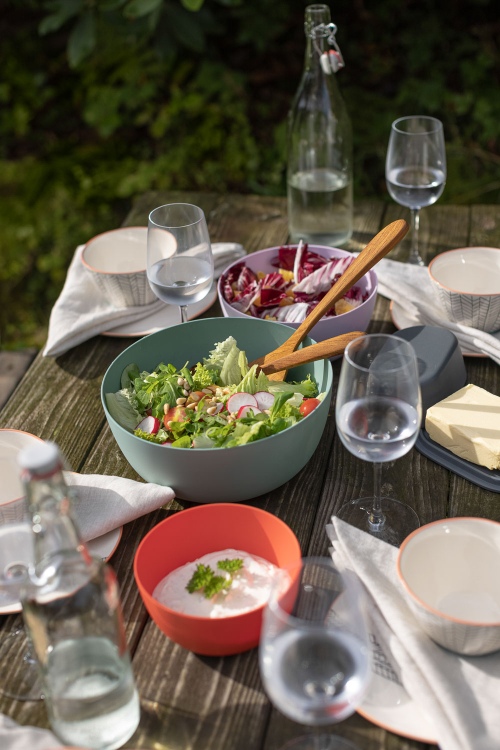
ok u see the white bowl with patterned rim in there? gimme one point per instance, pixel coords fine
(117, 261)
(449, 572)
(467, 281)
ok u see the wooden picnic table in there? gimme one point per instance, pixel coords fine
(191, 702)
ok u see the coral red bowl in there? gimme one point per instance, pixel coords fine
(187, 536)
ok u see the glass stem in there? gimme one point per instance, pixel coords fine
(184, 314)
(415, 225)
(376, 519)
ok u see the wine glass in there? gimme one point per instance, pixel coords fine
(180, 264)
(314, 655)
(378, 413)
(16, 556)
(415, 169)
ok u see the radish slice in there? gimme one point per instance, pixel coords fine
(237, 400)
(150, 425)
(264, 399)
(243, 410)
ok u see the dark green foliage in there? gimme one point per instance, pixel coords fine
(104, 99)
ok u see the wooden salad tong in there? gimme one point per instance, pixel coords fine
(322, 350)
(374, 251)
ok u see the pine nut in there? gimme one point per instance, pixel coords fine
(180, 401)
(180, 381)
(195, 397)
(211, 410)
(185, 392)
(192, 405)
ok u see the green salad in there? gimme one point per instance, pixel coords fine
(220, 402)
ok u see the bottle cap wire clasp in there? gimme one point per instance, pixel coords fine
(331, 61)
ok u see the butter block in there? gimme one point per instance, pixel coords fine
(467, 423)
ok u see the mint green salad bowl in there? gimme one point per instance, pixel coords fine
(214, 475)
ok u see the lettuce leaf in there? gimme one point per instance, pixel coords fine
(253, 381)
(230, 362)
(307, 387)
(204, 376)
(123, 408)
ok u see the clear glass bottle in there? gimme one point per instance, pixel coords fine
(319, 159)
(74, 619)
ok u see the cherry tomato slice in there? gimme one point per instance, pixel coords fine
(175, 414)
(308, 405)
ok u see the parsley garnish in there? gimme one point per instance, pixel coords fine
(204, 578)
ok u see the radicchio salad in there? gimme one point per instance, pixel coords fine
(301, 280)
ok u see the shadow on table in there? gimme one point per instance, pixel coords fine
(168, 728)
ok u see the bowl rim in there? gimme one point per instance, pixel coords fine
(441, 256)
(199, 508)
(407, 541)
(30, 435)
(109, 232)
(344, 253)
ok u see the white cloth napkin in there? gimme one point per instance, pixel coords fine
(81, 311)
(460, 695)
(13, 736)
(103, 503)
(411, 288)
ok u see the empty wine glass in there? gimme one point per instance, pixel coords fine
(180, 264)
(378, 413)
(415, 169)
(314, 653)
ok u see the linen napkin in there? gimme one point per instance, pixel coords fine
(13, 736)
(81, 310)
(459, 694)
(411, 287)
(103, 503)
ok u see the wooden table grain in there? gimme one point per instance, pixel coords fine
(190, 702)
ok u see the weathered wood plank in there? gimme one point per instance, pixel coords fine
(13, 365)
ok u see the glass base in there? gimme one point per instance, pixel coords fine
(23, 681)
(319, 742)
(400, 519)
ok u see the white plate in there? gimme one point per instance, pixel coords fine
(402, 319)
(389, 706)
(104, 546)
(11, 442)
(166, 316)
(11, 491)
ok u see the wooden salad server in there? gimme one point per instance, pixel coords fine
(374, 251)
(322, 350)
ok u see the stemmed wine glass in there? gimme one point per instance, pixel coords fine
(415, 168)
(16, 556)
(180, 264)
(378, 413)
(314, 655)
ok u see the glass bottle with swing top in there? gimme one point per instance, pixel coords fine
(73, 614)
(319, 163)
